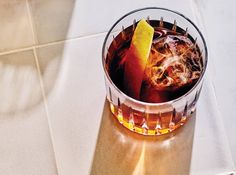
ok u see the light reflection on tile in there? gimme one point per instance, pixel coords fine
(19, 82)
(119, 151)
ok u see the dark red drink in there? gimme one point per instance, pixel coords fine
(173, 67)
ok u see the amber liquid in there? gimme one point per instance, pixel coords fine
(142, 122)
(149, 123)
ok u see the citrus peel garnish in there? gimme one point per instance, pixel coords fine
(136, 58)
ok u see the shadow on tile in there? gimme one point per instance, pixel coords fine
(20, 88)
(15, 31)
(19, 83)
(51, 19)
(119, 151)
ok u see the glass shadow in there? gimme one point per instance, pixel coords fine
(120, 151)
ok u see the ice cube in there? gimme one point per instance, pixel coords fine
(174, 62)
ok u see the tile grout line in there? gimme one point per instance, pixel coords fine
(46, 109)
(70, 39)
(51, 43)
(16, 50)
(29, 10)
(41, 82)
(198, 19)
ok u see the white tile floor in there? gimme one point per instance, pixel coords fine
(61, 110)
(211, 154)
(76, 103)
(222, 52)
(26, 146)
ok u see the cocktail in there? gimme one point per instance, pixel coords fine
(154, 60)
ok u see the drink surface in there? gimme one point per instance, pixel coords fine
(173, 67)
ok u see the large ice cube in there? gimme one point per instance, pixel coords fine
(174, 62)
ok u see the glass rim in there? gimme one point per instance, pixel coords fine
(139, 101)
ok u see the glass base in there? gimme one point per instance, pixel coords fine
(148, 124)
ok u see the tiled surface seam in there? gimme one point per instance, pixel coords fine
(200, 22)
(46, 108)
(41, 83)
(31, 22)
(51, 43)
